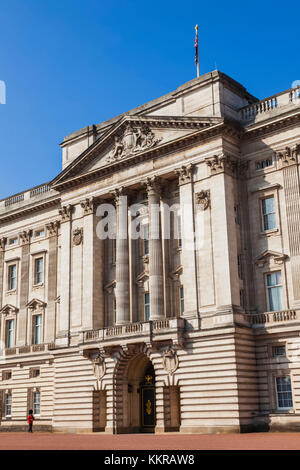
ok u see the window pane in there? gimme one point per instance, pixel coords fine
(284, 392)
(12, 273)
(10, 333)
(275, 298)
(268, 211)
(147, 306)
(39, 270)
(37, 329)
(8, 400)
(36, 403)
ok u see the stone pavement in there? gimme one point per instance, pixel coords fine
(98, 441)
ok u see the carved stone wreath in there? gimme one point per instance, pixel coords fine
(133, 140)
(77, 236)
(203, 199)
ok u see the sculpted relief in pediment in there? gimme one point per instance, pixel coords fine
(133, 140)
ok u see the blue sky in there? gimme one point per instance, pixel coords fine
(71, 63)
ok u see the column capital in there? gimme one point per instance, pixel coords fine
(153, 185)
(25, 236)
(288, 156)
(65, 213)
(52, 228)
(88, 205)
(222, 164)
(184, 174)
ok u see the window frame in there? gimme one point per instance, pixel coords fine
(34, 318)
(281, 408)
(34, 392)
(148, 304)
(10, 265)
(7, 330)
(8, 393)
(262, 215)
(267, 288)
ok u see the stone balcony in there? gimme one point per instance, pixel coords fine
(148, 332)
(271, 107)
(30, 197)
(29, 349)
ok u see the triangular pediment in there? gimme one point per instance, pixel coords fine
(9, 309)
(132, 136)
(269, 254)
(36, 304)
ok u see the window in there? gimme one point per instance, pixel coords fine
(34, 372)
(268, 213)
(181, 299)
(145, 236)
(36, 402)
(6, 374)
(237, 214)
(38, 270)
(279, 351)
(264, 163)
(242, 298)
(179, 232)
(240, 267)
(8, 401)
(114, 250)
(147, 306)
(274, 291)
(10, 330)
(12, 277)
(39, 233)
(114, 311)
(37, 329)
(284, 392)
(13, 241)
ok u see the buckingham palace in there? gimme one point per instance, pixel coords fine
(154, 284)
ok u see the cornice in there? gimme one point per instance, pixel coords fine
(223, 127)
(270, 125)
(25, 210)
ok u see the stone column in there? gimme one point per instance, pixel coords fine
(93, 296)
(24, 288)
(50, 324)
(188, 253)
(288, 159)
(122, 258)
(156, 281)
(65, 275)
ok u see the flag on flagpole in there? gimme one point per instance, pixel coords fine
(196, 51)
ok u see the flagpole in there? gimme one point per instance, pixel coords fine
(197, 52)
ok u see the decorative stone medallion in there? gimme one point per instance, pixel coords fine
(77, 236)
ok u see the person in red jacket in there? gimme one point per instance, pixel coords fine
(30, 420)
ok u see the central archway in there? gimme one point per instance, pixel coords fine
(139, 413)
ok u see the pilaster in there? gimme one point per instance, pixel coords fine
(188, 253)
(25, 237)
(93, 263)
(65, 275)
(52, 232)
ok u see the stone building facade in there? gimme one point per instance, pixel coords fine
(193, 328)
